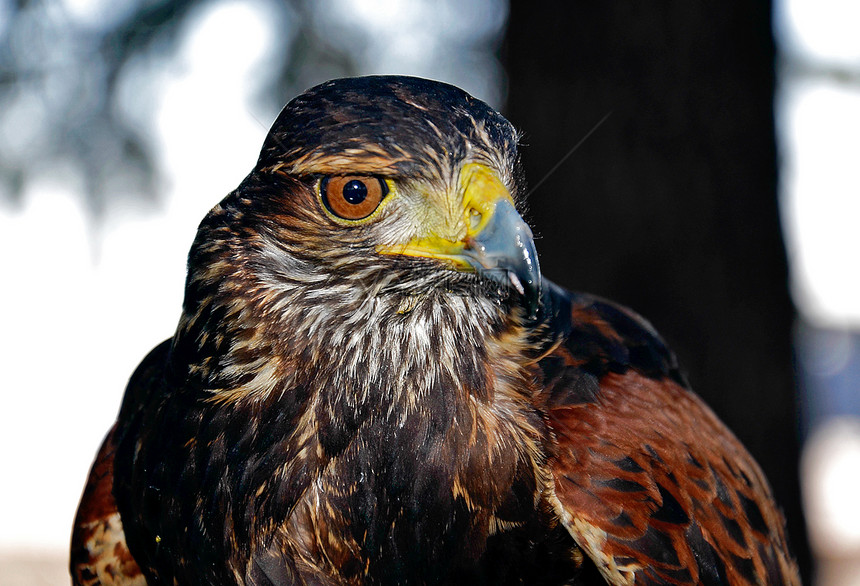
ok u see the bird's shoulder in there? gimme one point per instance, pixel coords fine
(146, 385)
(648, 480)
(596, 337)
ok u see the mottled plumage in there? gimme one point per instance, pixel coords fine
(371, 383)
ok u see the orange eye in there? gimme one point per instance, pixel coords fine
(352, 197)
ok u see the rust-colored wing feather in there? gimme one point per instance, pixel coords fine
(99, 554)
(649, 482)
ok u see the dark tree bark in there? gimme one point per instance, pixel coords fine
(670, 206)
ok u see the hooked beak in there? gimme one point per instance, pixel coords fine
(493, 240)
(504, 251)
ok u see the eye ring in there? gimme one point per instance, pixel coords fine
(352, 197)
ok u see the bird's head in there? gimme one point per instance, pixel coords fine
(367, 190)
(386, 175)
(380, 208)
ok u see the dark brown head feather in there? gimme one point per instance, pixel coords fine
(386, 125)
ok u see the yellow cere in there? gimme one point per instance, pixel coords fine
(481, 190)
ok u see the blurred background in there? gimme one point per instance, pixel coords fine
(697, 163)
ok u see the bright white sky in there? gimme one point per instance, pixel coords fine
(819, 125)
(821, 198)
(821, 30)
(818, 120)
(105, 297)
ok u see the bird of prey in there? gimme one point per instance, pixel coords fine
(372, 383)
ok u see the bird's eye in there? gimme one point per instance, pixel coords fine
(352, 197)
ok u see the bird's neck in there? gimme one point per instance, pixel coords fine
(370, 343)
(394, 411)
(425, 417)
(391, 347)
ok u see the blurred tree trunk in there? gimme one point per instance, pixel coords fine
(670, 206)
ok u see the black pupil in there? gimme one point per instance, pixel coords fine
(355, 192)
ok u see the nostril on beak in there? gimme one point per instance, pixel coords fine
(474, 219)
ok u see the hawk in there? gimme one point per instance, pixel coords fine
(372, 383)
